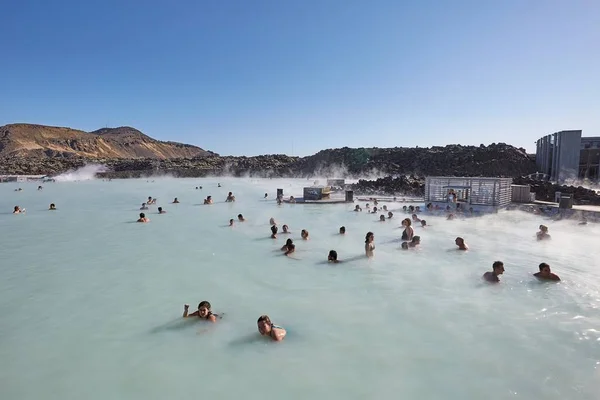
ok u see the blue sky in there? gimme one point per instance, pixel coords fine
(295, 77)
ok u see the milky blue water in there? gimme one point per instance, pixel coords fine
(91, 301)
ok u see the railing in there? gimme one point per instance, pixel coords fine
(474, 191)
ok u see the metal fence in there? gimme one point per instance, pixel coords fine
(473, 191)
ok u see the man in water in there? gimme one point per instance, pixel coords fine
(241, 218)
(175, 201)
(267, 328)
(143, 218)
(332, 257)
(230, 198)
(460, 242)
(342, 230)
(493, 275)
(543, 234)
(546, 274)
(203, 312)
(143, 207)
(274, 231)
(161, 211)
(52, 207)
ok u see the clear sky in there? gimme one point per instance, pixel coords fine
(254, 77)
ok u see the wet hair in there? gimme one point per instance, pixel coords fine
(231, 220)
(289, 241)
(460, 239)
(285, 227)
(408, 222)
(332, 255)
(16, 208)
(274, 229)
(423, 222)
(416, 239)
(342, 229)
(497, 264)
(367, 236)
(404, 245)
(264, 318)
(159, 209)
(304, 233)
(382, 217)
(240, 216)
(204, 304)
(52, 205)
(543, 265)
(142, 215)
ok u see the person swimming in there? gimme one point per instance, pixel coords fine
(342, 230)
(231, 222)
(151, 200)
(161, 211)
(241, 218)
(143, 218)
(332, 257)
(40, 187)
(18, 210)
(274, 230)
(493, 275)
(423, 223)
(203, 312)
(289, 247)
(285, 229)
(382, 218)
(542, 234)
(304, 234)
(267, 328)
(416, 240)
(143, 207)
(208, 200)
(357, 208)
(390, 215)
(408, 232)
(218, 185)
(404, 246)
(230, 197)
(546, 274)
(415, 218)
(175, 201)
(272, 221)
(52, 207)
(266, 195)
(385, 208)
(460, 242)
(450, 217)
(369, 244)
(292, 199)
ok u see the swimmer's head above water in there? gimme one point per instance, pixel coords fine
(390, 214)
(267, 328)
(304, 234)
(241, 217)
(231, 222)
(52, 206)
(382, 218)
(285, 229)
(342, 230)
(333, 256)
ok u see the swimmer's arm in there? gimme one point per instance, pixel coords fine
(212, 318)
(278, 334)
(186, 310)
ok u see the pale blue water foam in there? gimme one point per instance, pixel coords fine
(90, 301)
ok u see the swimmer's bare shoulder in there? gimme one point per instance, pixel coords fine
(278, 333)
(490, 277)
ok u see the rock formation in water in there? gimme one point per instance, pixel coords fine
(39, 141)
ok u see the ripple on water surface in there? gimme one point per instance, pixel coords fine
(91, 301)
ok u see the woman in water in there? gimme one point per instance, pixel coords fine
(542, 234)
(289, 247)
(408, 232)
(241, 218)
(203, 312)
(143, 218)
(208, 200)
(369, 244)
(18, 210)
(304, 234)
(274, 231)
(267, 328)
(332, 257)
(460, 242)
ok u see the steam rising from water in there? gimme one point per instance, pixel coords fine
(85, 173)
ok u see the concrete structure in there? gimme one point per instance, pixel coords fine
(558, 155)
(565, 155)
(481, 194)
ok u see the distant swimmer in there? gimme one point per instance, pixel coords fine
(342, 230)
(267, 328)
(52, 207)
(416, 240)
(546, 274)
(230, 198)
(460, 242)
(40, 187)
(151, 200)
(367, 206)
(161, 211)
(404, 246)
(241, 218)
(292, 199)
(415, 218)
(382, 218)
(289, 247)
(18, 190)
(266, 195)
(542, 234)
(385, 208)
(408, 232)
(390, 215)
(143, 218)
(493, 275)
(423, 223)
(374, 210)
(357, 208)
(285, 229)
(175, 201)
(143, 207)
(332, 257)
(274, 231)
(218, 185)
(208, 200)
(272, 221)
(18, 210)
(304, 234)
(203, 312)
(369, 244)
(231, 222)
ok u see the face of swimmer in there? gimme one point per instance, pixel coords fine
(203, 311)
(264, 327)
